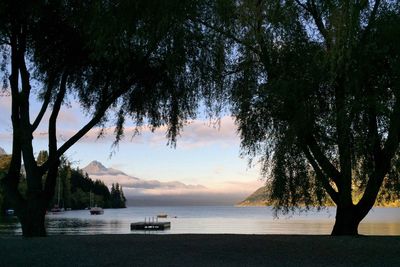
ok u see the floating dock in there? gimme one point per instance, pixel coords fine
(150, 225)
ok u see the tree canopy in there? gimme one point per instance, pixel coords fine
(315, 94)
(314, 87)
(140, 60)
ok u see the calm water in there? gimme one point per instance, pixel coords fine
(214, 220)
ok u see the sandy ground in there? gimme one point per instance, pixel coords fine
(200, 250)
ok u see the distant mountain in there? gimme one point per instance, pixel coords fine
(258, 198)
(2, 152)
(97, 170)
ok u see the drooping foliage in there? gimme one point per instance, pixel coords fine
(315, 94)
(146, 63)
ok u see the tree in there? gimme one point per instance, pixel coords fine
(117, 197)
(316, 96)
(142, 60)
(4, 165)
(42, 157)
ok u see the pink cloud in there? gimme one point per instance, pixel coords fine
(198, 133)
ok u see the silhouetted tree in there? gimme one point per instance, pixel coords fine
(42, 157)
(316, 96)
(118, 199)
(81, 186)
(139, 59)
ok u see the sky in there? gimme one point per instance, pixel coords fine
(207, 153)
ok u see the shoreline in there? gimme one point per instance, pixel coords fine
(200, 250)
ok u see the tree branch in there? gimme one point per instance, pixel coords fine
(52, 161)
(13, 176)
(304, 6)
(392, 141)
(312, 8)
(34, 182)
(84, 130)
(100, 112)
(371, 21)
(54, 115)
(381, 163)
(322, 160)
(46, 101)
(320, 176)
(229, 35)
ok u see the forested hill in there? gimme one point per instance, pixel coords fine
(74, 188)
(260, 198)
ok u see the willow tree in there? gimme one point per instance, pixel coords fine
(141, 60)
(316, 97)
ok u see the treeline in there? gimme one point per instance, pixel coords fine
(4, 164)
(118, 199)
(74, 189)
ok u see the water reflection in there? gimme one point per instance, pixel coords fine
(10, 226)
(82, 226)
(389, 228)
(214, 220)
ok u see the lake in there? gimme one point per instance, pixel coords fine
(210, 220)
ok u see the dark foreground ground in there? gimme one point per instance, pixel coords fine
(200, 250)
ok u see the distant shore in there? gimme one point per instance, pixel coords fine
(200, 250)
(246, 203)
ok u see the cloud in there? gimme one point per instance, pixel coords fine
(68, 118)
(132, 182)
(228, 193)
(152, 191)
(201, 133)
(196, 134)
(5, 107)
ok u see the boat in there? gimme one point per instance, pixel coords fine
(57, 210)
(96, 211)
(162, 215)
(10, 212)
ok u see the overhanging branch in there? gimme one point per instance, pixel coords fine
(320, 175)
(54, 116)
(311, 8)
(227, 34)
(322, 160)
(46, 101)
(392, 141)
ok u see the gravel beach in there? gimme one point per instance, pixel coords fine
(200, 250)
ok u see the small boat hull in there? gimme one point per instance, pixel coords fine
(96, 211)
(10, 212)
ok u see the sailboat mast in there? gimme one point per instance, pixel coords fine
(59, 191)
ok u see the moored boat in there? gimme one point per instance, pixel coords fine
(57, 210)
(10, 212)
(96, 211)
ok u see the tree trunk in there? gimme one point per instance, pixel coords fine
(347, 221)
(32, 217)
